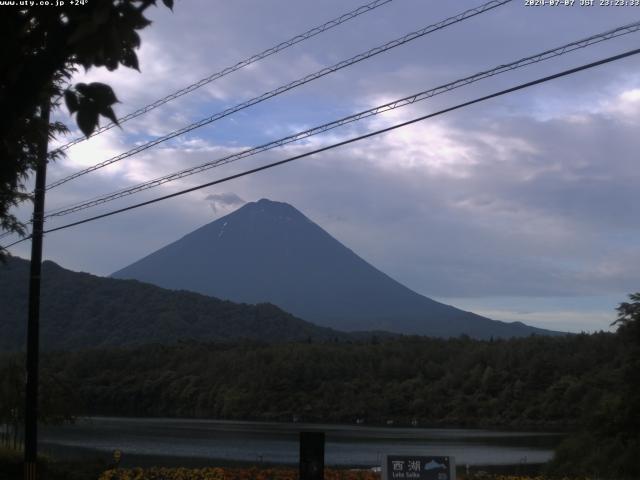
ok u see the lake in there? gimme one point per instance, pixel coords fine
(163, 441)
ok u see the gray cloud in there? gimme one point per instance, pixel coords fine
(224, 202)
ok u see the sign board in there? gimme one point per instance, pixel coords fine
(418, 467)
(311, 455)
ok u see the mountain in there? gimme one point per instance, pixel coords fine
(79, 310)
(268, 251)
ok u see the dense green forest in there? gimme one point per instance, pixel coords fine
(607, 441)
(537, 381)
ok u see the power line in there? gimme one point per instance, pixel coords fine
(284, 88)
(228, 70)
(24, 239)
(539, 57)
(346, 142)
(241, 64)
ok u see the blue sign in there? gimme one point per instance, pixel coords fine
(418, 467)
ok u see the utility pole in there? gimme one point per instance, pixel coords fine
(33, 323)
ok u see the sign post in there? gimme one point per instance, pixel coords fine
(418, 467)
(311, 455)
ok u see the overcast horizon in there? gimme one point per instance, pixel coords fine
(522, 208)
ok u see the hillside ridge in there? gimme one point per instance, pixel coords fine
(80, 310)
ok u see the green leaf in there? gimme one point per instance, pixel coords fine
(71, 100)
(130, 59)
(87, 119)
(108, 112)
(83, 88)
(102, 94)
(136, 20)
(134, 39)
(111, 64)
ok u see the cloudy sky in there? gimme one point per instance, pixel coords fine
(523, 208)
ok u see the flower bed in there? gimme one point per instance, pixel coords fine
(158, 473)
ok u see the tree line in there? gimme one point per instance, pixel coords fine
(585, 384)
(537, 381)
(56, 399)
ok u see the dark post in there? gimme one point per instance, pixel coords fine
(311, 455)
(33, 324)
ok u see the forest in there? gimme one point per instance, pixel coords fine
(585, 384)
(538, 381)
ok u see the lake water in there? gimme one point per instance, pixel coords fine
(202, 442)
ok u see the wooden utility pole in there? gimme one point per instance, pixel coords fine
(33, 323)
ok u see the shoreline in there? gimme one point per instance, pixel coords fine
(165, 442)
(533, 428)
(139, 460)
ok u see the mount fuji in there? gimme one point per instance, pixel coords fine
(269, 251)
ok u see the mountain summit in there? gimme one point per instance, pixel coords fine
(268, 251)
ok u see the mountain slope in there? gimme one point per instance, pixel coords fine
(269, 251)
(79, 310)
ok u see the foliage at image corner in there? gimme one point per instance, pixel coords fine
(54, 404)
(628, 320)
(608, 444)
(42, 47)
